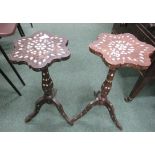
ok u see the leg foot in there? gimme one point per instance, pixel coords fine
(38, 106)
(128, 99)
(110, 108)
(61, 111)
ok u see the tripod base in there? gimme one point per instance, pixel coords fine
(101, 102)
(49, 100)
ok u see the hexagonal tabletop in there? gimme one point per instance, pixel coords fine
(39, 50)
(122, 50)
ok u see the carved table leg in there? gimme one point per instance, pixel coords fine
(101, 99)
(61, 111)
(49, 93)
(111, 110)
(38, 106)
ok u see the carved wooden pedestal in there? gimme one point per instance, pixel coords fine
(39, 51)
(48, 97)
(123, 50)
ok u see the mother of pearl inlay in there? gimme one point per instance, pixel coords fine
(121, 48)
(39, 49)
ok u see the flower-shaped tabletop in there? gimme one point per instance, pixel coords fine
(122, 50)
(39, 50)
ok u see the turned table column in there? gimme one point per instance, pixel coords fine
(47, 83)
(107, 84)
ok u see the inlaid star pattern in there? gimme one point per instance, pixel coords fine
(39, 50)
(122, 49)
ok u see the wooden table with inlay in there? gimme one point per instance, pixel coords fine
(122, 50)
(39, 51)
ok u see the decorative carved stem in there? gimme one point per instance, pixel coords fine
(107, 84)
(47, 83)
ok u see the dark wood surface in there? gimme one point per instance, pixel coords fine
(39, 51)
